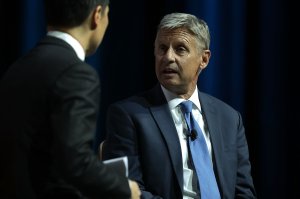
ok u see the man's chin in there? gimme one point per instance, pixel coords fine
(176, 88)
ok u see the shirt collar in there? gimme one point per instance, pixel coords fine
(70, 40)
(173, 100)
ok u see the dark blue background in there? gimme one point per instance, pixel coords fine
(252, 68)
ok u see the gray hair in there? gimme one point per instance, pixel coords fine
(194, 25)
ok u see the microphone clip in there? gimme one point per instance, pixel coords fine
(193, 134)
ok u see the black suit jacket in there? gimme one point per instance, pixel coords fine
(49, 103)
(142, 128)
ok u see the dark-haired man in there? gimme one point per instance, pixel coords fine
(49, 104)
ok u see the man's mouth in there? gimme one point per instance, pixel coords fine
(169, 71)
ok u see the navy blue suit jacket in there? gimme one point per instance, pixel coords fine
(142, 128)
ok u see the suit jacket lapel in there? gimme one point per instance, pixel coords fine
(162, 116)
(212, 121)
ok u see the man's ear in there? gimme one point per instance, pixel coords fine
(96, 17)
(205, 56)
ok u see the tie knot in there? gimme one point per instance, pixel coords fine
(186, 106)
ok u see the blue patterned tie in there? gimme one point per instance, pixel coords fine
(200, 155)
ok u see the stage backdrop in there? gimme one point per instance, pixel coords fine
(248, 69)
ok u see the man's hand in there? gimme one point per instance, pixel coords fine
(135, 190)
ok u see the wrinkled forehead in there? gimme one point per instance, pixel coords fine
(172, 35)
(170, 31)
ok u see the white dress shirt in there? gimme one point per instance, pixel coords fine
(179, 120)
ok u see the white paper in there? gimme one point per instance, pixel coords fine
(119, 164)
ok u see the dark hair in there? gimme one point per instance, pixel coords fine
(70, 13)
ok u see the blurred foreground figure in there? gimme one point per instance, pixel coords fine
(49, 105)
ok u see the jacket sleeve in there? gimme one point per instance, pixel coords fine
(73, 120)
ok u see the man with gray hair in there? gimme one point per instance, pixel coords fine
(181, 143)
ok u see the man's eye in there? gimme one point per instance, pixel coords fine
(162, 48)
(180, 49)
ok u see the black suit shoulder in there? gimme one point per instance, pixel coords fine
(49, 58)
(52, 57)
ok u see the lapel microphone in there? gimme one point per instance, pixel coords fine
(193, 134)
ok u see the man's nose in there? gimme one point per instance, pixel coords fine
(169, 55)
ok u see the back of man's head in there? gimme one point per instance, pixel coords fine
(70, 13)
